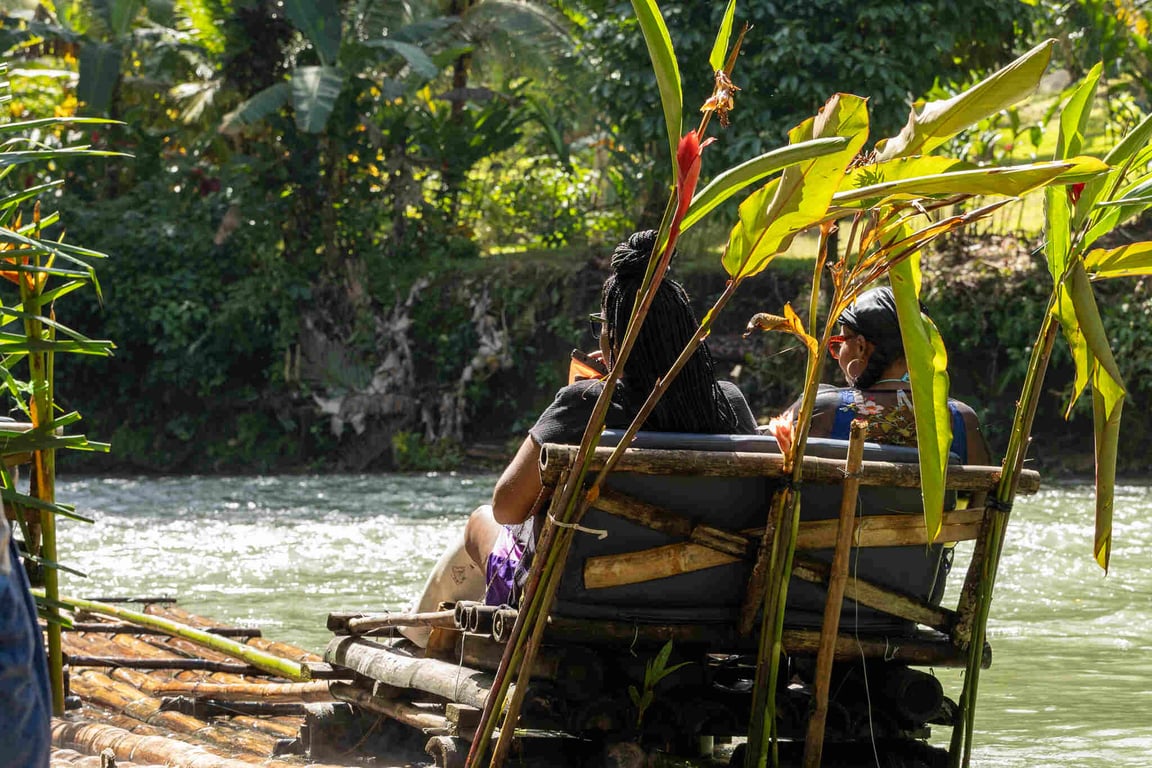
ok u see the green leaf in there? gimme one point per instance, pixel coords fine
(63, 510)
(420, 61)
(1125, 261)
(723, 35)
(939, 121)
(1106, 374)
(21, 127)
(1136, 140)
(319, 20)
(735, 179)
(99, 73)
(257, 108)
(772, 216)
(314, 94)
(1074, 116)
(1106, 425)
(928, 369)
(666, 69)
(634, 695)
(1011, 181)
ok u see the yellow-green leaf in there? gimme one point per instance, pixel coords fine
(938, 121)
(1010, 181)
(723, 35)
(1126, 261)
(733, 180)
(1106, 425)
(666, 69)
(800, 197)
(928, 369)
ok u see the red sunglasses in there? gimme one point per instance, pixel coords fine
(834, 344)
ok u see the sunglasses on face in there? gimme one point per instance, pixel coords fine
(835, 343)
(595, 324)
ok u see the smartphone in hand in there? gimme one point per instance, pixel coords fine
(585, 366)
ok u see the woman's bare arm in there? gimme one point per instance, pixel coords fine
(519, 488)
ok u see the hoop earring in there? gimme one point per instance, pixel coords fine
(852, 378)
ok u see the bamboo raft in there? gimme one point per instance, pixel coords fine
(142, 697)
(850, 686)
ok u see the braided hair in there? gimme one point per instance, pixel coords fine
(694, 401)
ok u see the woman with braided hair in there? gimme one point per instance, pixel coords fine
(870, 352)
(490, 561)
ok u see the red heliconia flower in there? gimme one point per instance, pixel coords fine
(687, 175)
(1074, 192)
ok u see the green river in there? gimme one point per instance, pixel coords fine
(1070, 684)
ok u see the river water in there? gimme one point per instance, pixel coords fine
(1070, 685)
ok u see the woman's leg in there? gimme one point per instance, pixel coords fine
(459, 573)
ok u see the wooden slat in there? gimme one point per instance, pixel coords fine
(872, 531)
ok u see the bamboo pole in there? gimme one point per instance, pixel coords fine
(266, 661)
(555, 458)
(114, 628)
(275, 647)
(897, 530)
(451, 681)
(838, 578)
(272, 692)
(412, 715)
(1010, 484)
(365, 624)
(131, 662)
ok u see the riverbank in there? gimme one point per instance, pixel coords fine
(469, 353)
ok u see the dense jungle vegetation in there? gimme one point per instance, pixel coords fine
(365, 234)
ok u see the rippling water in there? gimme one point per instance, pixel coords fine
(1070, 685)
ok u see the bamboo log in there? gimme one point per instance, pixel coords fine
(207, 709)
(838, 578)
(123, 697)
(271, 692)
(402, 711)
(93, 738)
(132, 662)
(365, 624)
(280, 666)
(456, 683)
(135, 629)
(886, 600)
(275, 647)
(872, 531)
(557, 458)
(502, 623)
(577, 671)
(665, 521)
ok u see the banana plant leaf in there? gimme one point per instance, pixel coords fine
(420, 61)
(319, 21)
(939, 121)
(772, 216)
(314, 94)
(99, 72)
(257, 108)
(739, 177)
(667, 70)
(928, 369)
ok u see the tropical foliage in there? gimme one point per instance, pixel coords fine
(40, 269)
